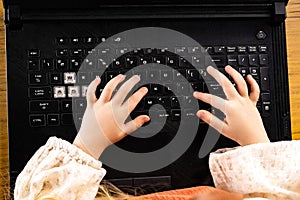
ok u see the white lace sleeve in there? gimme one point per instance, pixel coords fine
(269, 170)
(59, 170)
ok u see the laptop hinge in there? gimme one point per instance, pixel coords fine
(279, 12)
(13, 17)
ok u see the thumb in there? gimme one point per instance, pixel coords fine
(136, 123)
(90, 94)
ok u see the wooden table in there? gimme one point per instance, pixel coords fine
(293, 39)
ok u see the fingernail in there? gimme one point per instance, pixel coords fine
(122, 76)
(137, 77)
(196, 94)
(145, 89)
(146, 118)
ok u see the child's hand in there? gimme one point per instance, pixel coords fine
(243, 123)
(104, 119)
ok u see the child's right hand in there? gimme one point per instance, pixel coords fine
(242, 123)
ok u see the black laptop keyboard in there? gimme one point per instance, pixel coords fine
(54, 80)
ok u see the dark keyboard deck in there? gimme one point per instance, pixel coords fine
(57, 86)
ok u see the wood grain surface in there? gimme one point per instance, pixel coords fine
(293, 42)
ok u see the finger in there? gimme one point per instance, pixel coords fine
(213, 121)
(239, 80)
(227, 86)
(213, 100)
(255, 91)
(133, 101)
(125, 89)
(91, 90)
(136, 123)
(110, 87)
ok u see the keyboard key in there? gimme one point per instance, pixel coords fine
(73, 91)
(76, 52)
(69, 78)
(89, 63)
(253, 60)
(38, 79)
(75, 63)
(192, 75)
(53, 119)
(209, 49)
(195, 50)
(66, 105)
(185, 62)
(59, 92)
(153, 75)
(197, 86)
(252, 49)
(264, 78)
(220, 49)
(84, 77)
(232, 60)
(166, 75)
(67, 119)
(243, 71)
(189, 113)
(164, 101)
(80, 105)
(198, 61)
(62, 52)
(47, 64)
(33, 53)
(131, 62)
(242, 49)
(55, 78)
(156, 89)
(243, 60)
(145, 60)
(175, 115)
(175, 102)
(76, 40)
(183, 88)
(33, 65)
(254, 73)
(181, 50)
(37, 120)
(179, 75)
(172, 61)
(219, 61)
(231, 49)
(43, 106)
(149, 101)
(159, 59)
(263, 59)
(61, 40)
(119, 62)
(62, 64)
(262, 49)
(90, 40)
(40, 92)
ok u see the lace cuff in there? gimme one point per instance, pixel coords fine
(269, 170)
(59, 170)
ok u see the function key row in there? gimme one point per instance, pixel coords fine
(79, 40)
(144, 51)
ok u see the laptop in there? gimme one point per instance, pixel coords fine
(55, 48)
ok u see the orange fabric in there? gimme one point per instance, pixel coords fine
(179, 194)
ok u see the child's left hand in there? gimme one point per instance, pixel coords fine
(104, 119)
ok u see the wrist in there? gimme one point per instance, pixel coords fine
(80, 144)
